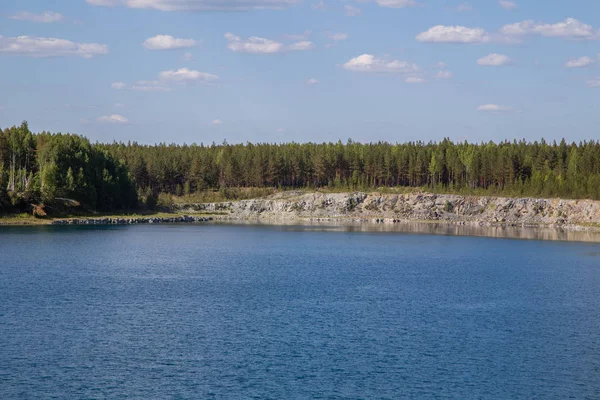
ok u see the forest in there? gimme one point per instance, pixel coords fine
(43, 170)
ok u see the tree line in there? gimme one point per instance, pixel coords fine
(51, 169)
(517, 168)
(48, 168)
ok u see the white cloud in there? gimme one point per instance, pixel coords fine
(464, 7)
(167, 80)
(441, 65)
(167, 42)
(414, 79)
(113, 119)
(49, 47)
(188, 56)
(396, 3)
(119, 105)
(508, 5)
(184, 75)
(258, 45)
(370, 63)
(580, 62)
(254, 45)
(569, 28)
(45, 17)
(300, 46)
(593, 83)
(443, 75)
(454, 34)
(312, 82)
(351, 11)
(198, 5)
(494, 108)
(216, 122)
(118, 85)
(494, 60)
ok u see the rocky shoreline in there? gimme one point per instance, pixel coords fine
(415, 207)
(378, 208)
(131, 221)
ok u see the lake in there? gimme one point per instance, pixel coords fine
(294, 312)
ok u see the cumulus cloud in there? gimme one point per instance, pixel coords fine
(167, 42)
(49, 47)
(569, 28)
(443, 75)
(414, 79)
(508, 5)
(312, 82)
(494, 60)
(370, 63)
(118, 85)
(396, 3)
(184, 75)
(113, 119)
(494, 108)
(169, 80)
(198, 5)
(580, 62)
(300, 46)
(258, 45)
(45, 17)
(454, 34)
(253, 44)
(351, 11)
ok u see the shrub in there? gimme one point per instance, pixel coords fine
(448, 207)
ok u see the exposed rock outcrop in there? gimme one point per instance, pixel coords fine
(391, 208)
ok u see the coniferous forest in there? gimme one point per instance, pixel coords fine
(46, 169)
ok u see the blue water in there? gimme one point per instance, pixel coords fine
(240, 312)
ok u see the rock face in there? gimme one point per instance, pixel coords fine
(130, 221)
(412, 207)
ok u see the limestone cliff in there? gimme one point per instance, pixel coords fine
(408, 207)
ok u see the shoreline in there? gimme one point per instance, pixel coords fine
(360, 208)
(176, 218)
(437, 228)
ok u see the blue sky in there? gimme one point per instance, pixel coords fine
(302, 70)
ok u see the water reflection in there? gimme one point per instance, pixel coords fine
(431, 228)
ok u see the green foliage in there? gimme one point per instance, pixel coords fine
(448, 207)
(506, 168)
(51, 168)
(164, 200)
(48, 168)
